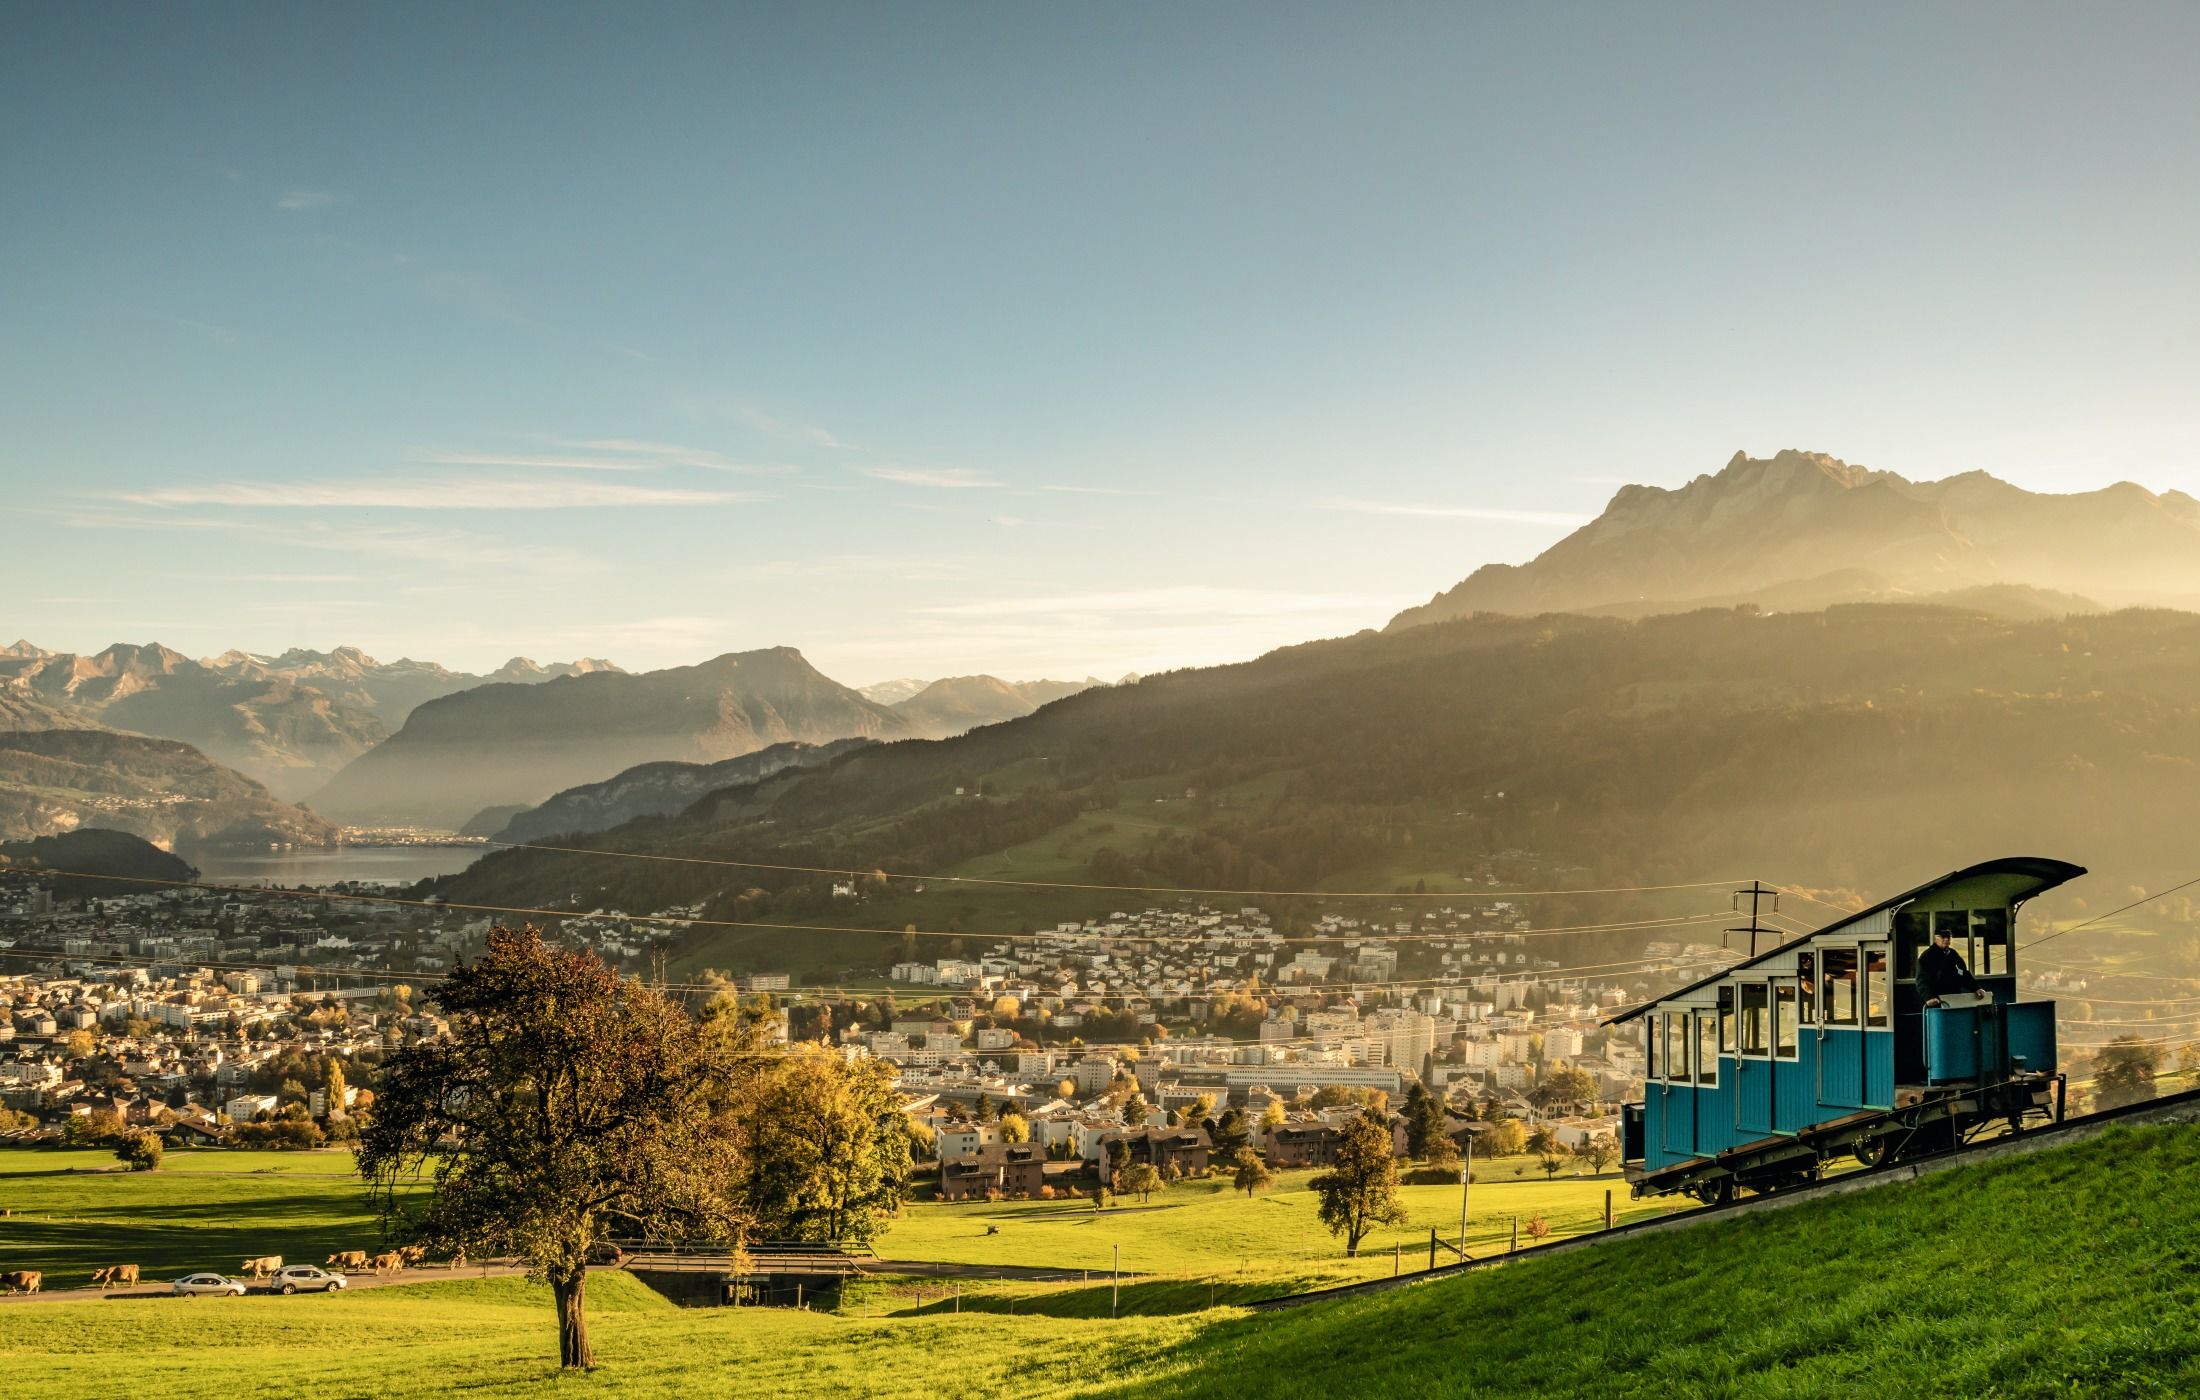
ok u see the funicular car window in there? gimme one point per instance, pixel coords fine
(1676, 1046)
(1653, 1066)
(1990, 936)
(1756, 1006)
(1912, 929)
(1956, 923)
(1707, 1048)
(1784, 1022)
(1839, 1001)
(1726, 1020)
(1875, 985)
(1806, 977)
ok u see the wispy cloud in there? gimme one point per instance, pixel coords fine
(295, 201)
(675, 454)
(1433, 512)
(939, 478)
(521, 459)
(446, 546)
(1180, 601)
(778, 427)
(1094, 491)
(480, 493)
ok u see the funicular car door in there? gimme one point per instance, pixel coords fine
(1753, 1063)
(1677, 1121)
(1839, 1031)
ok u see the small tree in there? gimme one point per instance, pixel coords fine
(1443, 1153)
(1361, 1190)
(1602, 1151)
(1252, 1173)
(2123, 1072)
(1067, 1089)
(1119, 1159)
(1228, 1135)
(141, 1150)
(1551, 1162)
(1537, 1228)
(1273, 1116)
(1503, 1138)
(1134, 1112)
(1142, 1180)
(1424, 1114)
(1015, 1128)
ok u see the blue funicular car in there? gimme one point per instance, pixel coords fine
(1761, 1075)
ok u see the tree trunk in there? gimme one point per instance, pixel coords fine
(572, 1319)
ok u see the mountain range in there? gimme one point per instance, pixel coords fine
(1800, 531)
(650, 790)
(506, 744)
(391, 691)
(949, 707)
(59, 780)
(289, 722)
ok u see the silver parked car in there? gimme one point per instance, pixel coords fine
(305, 1278)
(192, 1285)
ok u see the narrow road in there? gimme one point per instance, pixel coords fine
(151, 1290)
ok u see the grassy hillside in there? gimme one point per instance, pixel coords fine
(1862, 748)
(2064, 1273)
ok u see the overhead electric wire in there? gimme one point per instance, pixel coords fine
(2120, 909)
(826, 992)
(1668, 921)
(1100, 888)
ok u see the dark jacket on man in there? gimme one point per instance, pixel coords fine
(1940, 971)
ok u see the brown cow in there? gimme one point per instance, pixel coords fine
(21, 1281)
(413, 1253)
(392, 1262)
(262, 1267)
(349, 1260)
(116, 1275)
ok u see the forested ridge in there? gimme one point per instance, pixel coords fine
(1858, 748)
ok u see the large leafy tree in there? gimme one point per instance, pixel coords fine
(828, 1148)
(565, 1105)
(1361, 1190)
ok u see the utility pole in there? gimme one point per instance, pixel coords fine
(1466, 1179)
(1757, 894)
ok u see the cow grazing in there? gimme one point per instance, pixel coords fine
(21, 1281)
(116, 1276)
(261, 1267)
(349, 1260)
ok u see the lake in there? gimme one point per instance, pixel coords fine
(389, 864)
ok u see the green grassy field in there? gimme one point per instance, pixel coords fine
(2067, 1273)
(1197, 1231)
(70, 1213)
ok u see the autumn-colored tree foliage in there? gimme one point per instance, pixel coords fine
(564, 1106)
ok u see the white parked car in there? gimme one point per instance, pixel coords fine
(192, 1285)
(305, 1278)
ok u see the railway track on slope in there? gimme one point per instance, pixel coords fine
(2170, 1108)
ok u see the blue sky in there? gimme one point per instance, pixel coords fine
(1035, 339)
